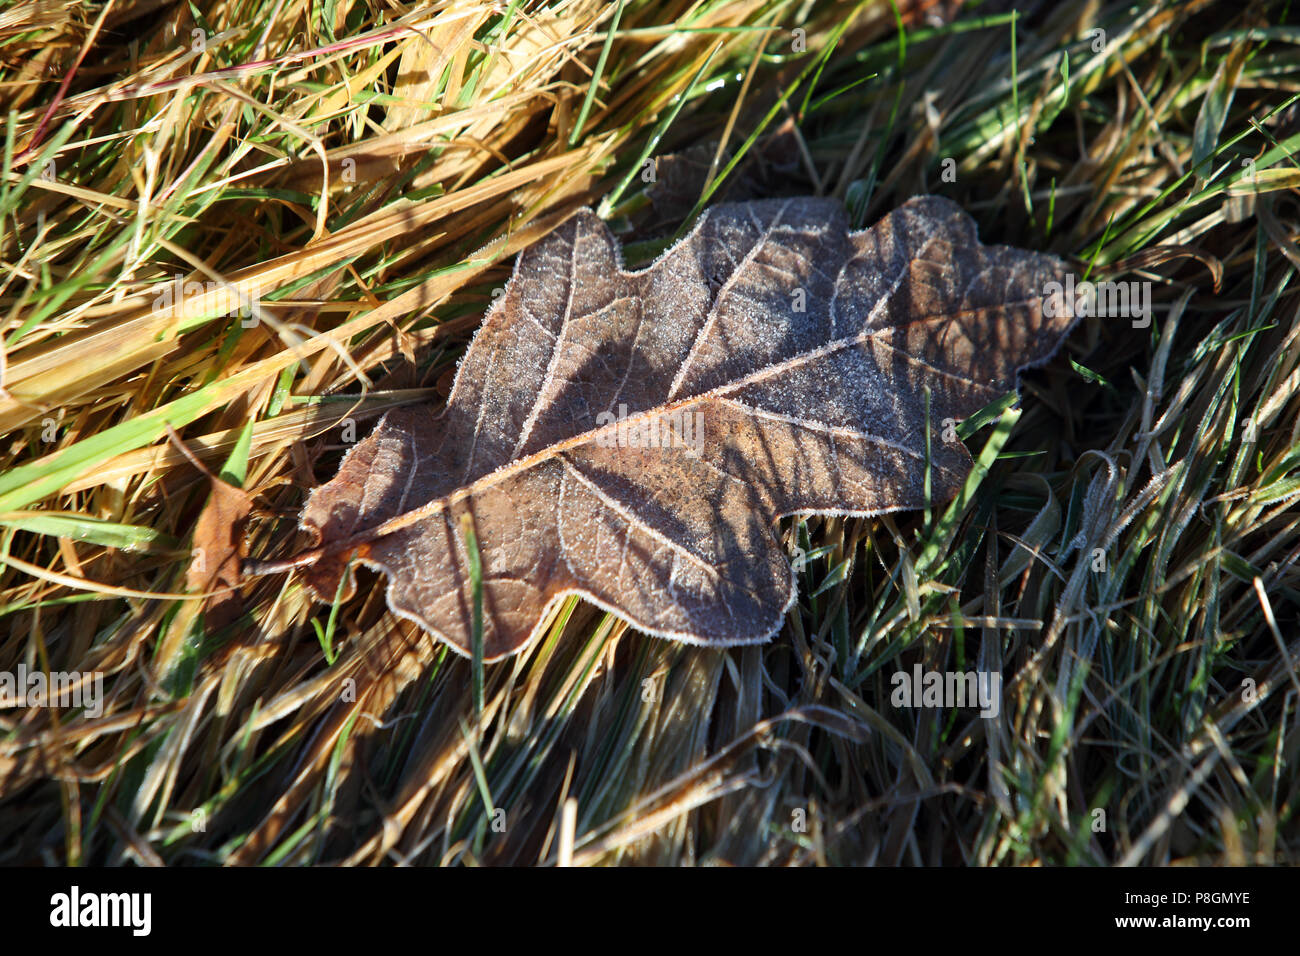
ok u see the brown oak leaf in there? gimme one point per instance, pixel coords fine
(632, 437)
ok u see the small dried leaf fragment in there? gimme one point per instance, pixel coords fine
(217, 551)
(633, 437)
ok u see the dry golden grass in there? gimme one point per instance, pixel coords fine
(367, 170)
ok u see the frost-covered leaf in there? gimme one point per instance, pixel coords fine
(633, 437)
